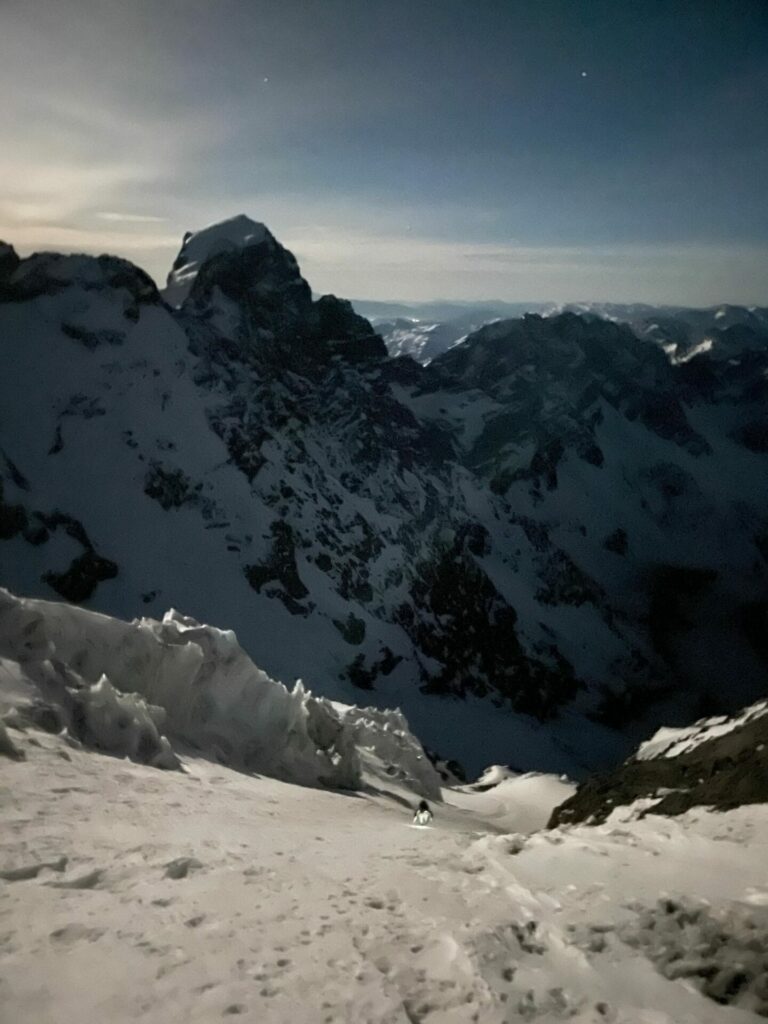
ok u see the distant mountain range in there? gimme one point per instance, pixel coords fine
(426, 330)
(543, 543)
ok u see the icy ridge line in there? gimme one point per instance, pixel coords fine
(114, 685)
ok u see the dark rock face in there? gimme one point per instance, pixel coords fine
(79, 581)
(92, 339)
(263, 282)
(82, 577)
(171, 488)
(353, 629)
(48, 273)
(337, 321)
(13, 518)
(617, 542)
(754, 436)
(281, 569)
(723, 772)
(277, 321)
(9, 261)
(453, 599)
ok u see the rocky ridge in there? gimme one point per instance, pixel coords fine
(719, 763)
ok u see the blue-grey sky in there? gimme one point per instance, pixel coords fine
(404, 149)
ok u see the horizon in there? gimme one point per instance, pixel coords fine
(562, 149)
(480, 300)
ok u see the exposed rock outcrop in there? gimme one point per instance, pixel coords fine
(719, 763)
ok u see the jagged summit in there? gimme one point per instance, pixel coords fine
(231, 235)
(240, 284)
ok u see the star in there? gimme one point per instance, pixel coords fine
(583, 74)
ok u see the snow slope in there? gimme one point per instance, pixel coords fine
(128, 893)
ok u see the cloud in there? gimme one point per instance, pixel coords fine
(132, 218)
(413, 269)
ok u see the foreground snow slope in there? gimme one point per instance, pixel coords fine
(130, 894)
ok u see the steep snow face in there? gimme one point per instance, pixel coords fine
(521, 544)
(231, 235)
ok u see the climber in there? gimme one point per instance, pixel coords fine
(423, 815)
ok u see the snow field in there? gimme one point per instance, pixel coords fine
(128, 894)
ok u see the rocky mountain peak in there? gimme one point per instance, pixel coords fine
(231, 235)
(237, 279)
(8, 260)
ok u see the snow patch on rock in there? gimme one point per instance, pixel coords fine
(667, 742)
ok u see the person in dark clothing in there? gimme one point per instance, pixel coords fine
(423, 814)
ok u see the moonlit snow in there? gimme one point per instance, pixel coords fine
(222, 888)
(673, 742)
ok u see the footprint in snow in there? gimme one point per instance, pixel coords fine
(26, 871)
(75, 933)
(181, 867)
(87, 881)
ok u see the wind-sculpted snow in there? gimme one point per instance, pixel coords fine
(115, 683)
(385, 735)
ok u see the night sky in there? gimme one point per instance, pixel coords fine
(407, 149)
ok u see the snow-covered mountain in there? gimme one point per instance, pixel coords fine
(425, 332)
(525, 545)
